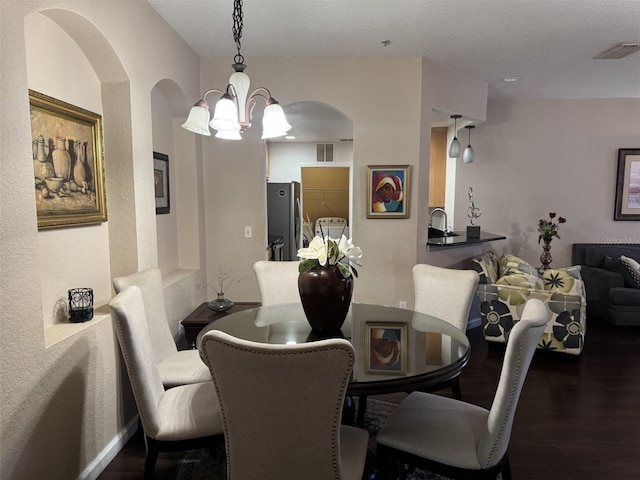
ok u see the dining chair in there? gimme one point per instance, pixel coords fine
(277, 281)
(176, 367)
(445, 293)
(457, 439)
(281, 408)
(182, 418)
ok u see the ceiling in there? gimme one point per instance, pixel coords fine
(549, 43)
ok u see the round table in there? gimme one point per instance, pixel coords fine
(396, 350)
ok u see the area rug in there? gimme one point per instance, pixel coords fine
(201, 464)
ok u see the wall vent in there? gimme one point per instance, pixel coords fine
(324, 152)
(619, 51)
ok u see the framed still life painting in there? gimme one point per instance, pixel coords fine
(388, 191)
(628, 185)
(386, 348)
(67, 163)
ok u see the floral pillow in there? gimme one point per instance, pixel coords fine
(517, 272)
(487, 267)
(563, 280)
(632, 276)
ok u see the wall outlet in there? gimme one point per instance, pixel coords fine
(403, 304)
(248, 232)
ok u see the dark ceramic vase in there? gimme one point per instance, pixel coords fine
(326, 297)
(220, 304)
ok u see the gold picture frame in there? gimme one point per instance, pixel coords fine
(67, 163)
(386, 348)
(388, 191)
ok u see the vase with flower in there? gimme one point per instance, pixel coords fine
(325, 282)
(222, 304)
(547, 230)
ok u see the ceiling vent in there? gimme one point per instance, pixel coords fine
(324, 152)
(619, 51)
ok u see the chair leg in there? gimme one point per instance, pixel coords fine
(455, 388)
(362, 409)
(150, 459)
(506, 469)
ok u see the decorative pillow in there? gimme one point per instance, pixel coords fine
(517, 278)
(510, 265)
(487, 267)
(563, 280)
(632, 277)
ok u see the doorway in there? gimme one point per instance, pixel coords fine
(325, 193)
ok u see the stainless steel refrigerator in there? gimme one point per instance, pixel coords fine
(284, 217)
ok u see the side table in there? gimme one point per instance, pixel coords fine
(203, 316)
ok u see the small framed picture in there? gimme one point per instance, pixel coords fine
(161, 179)
(388, 191)
(386, 348)
(628, 185)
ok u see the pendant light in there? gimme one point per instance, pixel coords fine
(454, 148)
(468, 155)
(234, 111)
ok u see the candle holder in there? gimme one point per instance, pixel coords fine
(80, 304)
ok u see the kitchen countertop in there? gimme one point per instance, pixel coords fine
(461, 239)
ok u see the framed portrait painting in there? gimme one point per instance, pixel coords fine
(628, 185)
(67, 163)
(386, 348)
(161, 182)
(388, 191)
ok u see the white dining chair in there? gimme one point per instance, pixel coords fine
(176, 367)
(457, 439)
(277, 282)
(281, 408)
(445, 293)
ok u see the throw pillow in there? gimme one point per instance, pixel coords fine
(632, 277)
(487, 267)
(510, 265)
(563, 280)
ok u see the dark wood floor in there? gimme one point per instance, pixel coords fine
(578, 417)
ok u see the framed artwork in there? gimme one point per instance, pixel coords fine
(386, 348)
(161, 180)
(67, 163)
(388, 191)
(628, 185)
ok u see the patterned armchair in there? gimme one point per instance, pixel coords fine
(508, 282)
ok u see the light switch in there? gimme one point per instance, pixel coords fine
(248, 232)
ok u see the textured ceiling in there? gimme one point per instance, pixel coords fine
(550, 43)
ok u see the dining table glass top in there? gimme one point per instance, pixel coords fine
(395, 349)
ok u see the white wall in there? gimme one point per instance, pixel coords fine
(287, 159)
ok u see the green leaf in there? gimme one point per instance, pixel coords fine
(307, 265)
(345, 270)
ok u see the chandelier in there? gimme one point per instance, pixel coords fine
(234, 111)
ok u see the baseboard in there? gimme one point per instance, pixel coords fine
(108, 453)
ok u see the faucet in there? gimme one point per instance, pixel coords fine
(444, 214)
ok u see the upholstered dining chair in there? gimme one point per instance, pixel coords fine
(277, 281)
(445, 293)
(281, 408)
(182, 418)
(458, 439)
(176, 367)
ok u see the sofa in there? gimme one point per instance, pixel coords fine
(612, 287)
(506, 283)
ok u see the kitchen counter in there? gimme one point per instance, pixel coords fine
(461, 239)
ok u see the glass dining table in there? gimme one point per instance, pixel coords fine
(396, 350)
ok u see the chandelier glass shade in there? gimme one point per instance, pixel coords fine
(454, 147)
(234, 111)
(468, 155)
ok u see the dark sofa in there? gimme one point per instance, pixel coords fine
(610, 296)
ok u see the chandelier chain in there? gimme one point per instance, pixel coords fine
(237, 28)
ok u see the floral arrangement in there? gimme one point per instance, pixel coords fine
(324, 252)
(224, 275)
(547, 229)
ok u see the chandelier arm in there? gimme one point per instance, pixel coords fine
(202, 102)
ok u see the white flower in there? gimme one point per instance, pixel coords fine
(324, 252)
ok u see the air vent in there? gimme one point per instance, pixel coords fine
(619, 51)
(324, 152)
